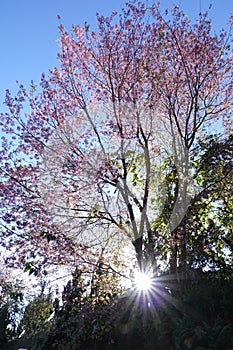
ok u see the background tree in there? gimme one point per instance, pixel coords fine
(202, 239)
(36, 314)
(11, 307)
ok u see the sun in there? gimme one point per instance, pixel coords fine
(142, 281)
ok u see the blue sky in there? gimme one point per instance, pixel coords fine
(28, 31)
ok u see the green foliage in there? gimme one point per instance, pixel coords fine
(86, 313)
(203, 336)
(36, 314)
(31, 269)
(192, 311)
(204, 236)
(4, 321)
(11, 304)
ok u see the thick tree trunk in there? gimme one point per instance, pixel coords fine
(183, 252)
(174, 254)
(138, 249)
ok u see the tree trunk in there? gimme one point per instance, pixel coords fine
(173, 258)
(138, 249)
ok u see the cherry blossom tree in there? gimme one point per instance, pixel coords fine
(85, 167)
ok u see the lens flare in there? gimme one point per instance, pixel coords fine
(142, 281)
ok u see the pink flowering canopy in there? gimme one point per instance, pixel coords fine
(83, 168)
